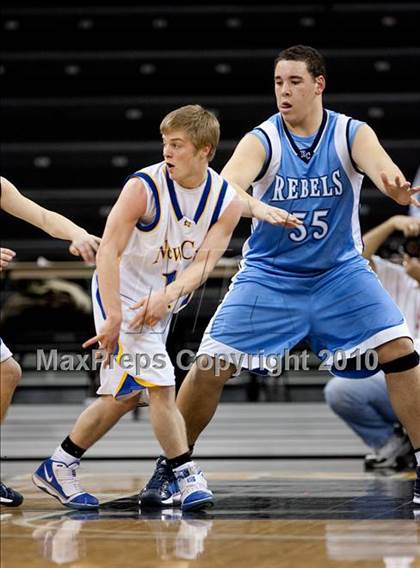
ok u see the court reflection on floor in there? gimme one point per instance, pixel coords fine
(170, 539)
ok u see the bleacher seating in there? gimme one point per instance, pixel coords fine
(85, 88)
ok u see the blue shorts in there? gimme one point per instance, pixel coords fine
(345, 309)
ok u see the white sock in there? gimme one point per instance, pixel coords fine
(417, 454)
(61, 456)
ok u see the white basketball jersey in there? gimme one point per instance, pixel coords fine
(403, 289)
(165, 241)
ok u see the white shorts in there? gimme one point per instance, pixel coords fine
(142, 360)
(5, 352)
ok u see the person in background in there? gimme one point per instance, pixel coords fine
(364, 404)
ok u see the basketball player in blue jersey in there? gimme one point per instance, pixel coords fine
(310, 282)
(170, 225)
(82, 244)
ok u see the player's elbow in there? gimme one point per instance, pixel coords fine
(106, 252)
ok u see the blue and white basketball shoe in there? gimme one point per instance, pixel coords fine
(192, 484)
(60, 481)
(162, 488)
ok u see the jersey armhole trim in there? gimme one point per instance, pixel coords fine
(353, 163)
(145, 177)
(219, 203)
(268, 158)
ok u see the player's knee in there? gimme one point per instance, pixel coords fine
(11, 373)
(162, 395)
(211, 371)
(119, 406)
(398, 356)
(128, 404)
(395, 349)
(339, 395)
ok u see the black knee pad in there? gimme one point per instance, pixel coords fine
(401, 364)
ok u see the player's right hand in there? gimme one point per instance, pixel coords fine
(275, 216)
(6, 256)
(86, 247)
(401, 191)
(107, 339)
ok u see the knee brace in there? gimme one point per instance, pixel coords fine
(401, 364)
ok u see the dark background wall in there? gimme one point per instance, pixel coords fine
(85, 85)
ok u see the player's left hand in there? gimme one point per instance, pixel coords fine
(402, 192)
(6, 256)
(275, 215)
(86, 247)
(150, 310)
(107, 338)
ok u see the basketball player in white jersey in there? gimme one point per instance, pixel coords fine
(170, 225)
(311, 282)
(82, 244)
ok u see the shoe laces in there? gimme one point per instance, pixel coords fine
(191, 475)
(66, 475)
(163, 474)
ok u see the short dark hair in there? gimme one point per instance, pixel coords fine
(315, 62)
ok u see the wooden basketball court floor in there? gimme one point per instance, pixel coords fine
(269, 512)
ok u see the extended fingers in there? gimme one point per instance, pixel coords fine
(88, 253)
(7, 252)
(91, 341)
(384, 179)
(74, 250)
(94, 242)
(143, 318)
(284, 218)
(84, 251)
(137, 321)
(139, 304)
(6, 256)
(86, 248)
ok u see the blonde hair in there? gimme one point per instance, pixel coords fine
(200, 124)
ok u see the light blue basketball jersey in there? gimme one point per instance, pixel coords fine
(315, 179)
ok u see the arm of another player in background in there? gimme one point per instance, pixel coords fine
(372, 159)
(129, 208)
(154, 307)
(6, 256)
(374, 238)
(56, 225)
(241, 170)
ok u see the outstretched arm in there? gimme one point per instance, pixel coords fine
(372, 159)
(241, 170)
(129, 208)
(153, 308)
(56, 225)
